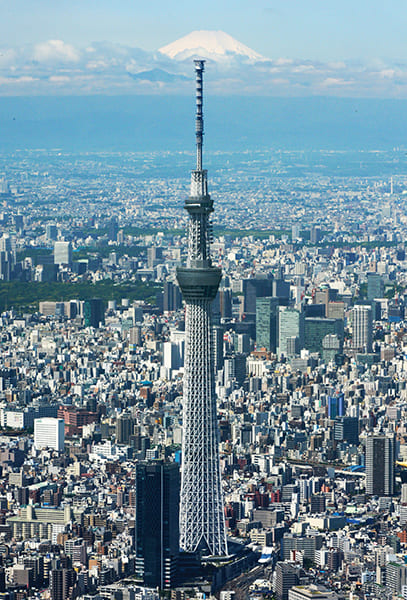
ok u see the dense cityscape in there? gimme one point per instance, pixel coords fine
(307, 354)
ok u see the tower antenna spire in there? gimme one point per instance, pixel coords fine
(199, 129)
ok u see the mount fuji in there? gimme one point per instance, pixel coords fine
(213, 45)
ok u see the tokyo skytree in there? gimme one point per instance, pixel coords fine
(202, 522)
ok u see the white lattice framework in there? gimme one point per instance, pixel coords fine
(202, 521)
(202, 516)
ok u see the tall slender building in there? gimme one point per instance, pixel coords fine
(202, 522)
(362, 328)
(380, 465)
(157, 527)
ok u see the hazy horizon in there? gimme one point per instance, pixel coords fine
(144, 123)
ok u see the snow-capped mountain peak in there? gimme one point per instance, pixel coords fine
(215, 45)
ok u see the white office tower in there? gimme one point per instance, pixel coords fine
(49, 433)
(362, 328)
(202, 521)
(62, 253)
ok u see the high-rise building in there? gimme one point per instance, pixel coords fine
(225, 304)
(154, 256)
(286, 577)
(332, 347)
(253, 289)
(375, 286)
(63, 253)
(135, 338)
(396, 576)
(317, 328)
(202, 521)
(346, 429)
(266, 323)
(218, 358)
(113, 229)
(49, 433)
(295, 232)
(281, 290)
(235, 368)
(362, 328)
(61, 583)
(222, 305)
(380, 465)
(290, 331)
(315, 234)
(242, 343)
(172, 299)
(51, 232)
(336, 405)
(173, 354)
(93, 312)
(124, 428)
(157, 523)
(318, 504)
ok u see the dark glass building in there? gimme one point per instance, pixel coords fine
(317, 328)
(346, 429)
(380, 465)
(172, 298)
(336, 405)
(94, 312)
(157, 528)
(266, 323)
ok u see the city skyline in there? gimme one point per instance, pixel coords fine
(94, 334)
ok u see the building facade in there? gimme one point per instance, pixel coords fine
(362, 329)
(380, 465)
(49, 433)
(266, 323)
(157, 523)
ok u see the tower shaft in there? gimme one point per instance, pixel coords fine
(202, 524)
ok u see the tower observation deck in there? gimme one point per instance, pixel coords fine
(202, 523)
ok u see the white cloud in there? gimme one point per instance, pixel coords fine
(334, 81)
(303, 68)
(58, 67)
(55, 51)
(16, 80)
(59, 79)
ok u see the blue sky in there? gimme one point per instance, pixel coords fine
(307, 29)
(350, 47)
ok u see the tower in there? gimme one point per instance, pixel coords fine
(202, 524)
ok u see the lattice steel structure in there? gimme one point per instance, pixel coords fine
(202, 523)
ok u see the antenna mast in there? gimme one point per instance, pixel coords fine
(199, 69)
